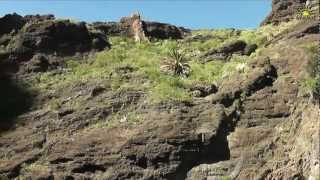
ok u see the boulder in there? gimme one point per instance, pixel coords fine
(250, 48)
(201, 90)
(38, 63)
(99, 41)
(234, 47)
(226, 51)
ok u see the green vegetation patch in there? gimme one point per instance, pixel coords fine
(130, 65)
(311, 83)
(266, 33)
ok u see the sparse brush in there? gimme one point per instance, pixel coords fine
(312, 83)
(176, 64)
(314, 66)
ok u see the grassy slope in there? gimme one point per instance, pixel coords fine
(131, 66)
(144, 60)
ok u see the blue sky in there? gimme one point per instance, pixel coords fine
(195, 14)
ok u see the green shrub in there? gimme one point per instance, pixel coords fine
(176, 64)
(314, 66)
(312, 82)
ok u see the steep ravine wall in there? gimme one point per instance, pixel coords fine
(256, 125)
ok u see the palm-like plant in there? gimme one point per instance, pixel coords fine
(176, 63)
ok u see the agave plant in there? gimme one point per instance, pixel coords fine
(176, 64)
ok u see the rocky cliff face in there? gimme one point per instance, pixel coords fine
(256, 124)
(286, 10)
(24, 37)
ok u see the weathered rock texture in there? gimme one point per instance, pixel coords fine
(286, 10)
(164, 31)
(253, 125)
(136, 26)
(151, 29)
(11, 22)
(225, 52)
(23, 37)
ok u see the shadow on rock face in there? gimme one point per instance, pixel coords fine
(14, 100)
(216, 150)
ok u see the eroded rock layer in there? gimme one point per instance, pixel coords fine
(252, 124)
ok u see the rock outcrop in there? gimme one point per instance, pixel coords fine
(50, 37)
(152, 30)
(23, 37)
(164, 31)
(225, 52)
(286, 10)
(109, 28)
(136, 26)
(11, 23)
